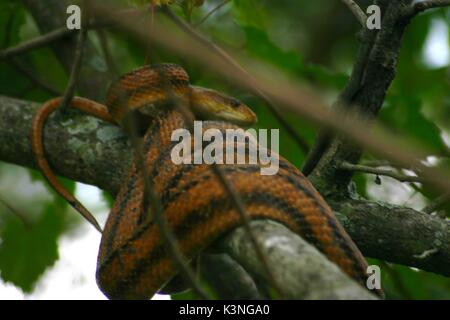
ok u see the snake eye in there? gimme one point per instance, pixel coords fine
(235, 103)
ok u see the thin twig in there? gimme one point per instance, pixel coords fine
(381, 172)
(426, 254)
(376, 163)
(209, 14)
(357, 12)
(301, 142)
(70, 89)
(437, 203)
(37, 42)
(58, 34)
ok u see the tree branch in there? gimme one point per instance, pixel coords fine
(210, 13)
(88, 150)
(380, 172)
(357, 12)
(304, 272)
(422, 6)
(397, 234)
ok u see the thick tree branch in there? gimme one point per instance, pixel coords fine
(397, 234)
(372, 75)
(301, 268)
(81, 147)
(87, 150)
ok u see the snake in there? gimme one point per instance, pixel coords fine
(133, 262)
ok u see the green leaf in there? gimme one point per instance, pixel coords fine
(108, 198)
(258, 44)
(405, 283)
(404, 115)
(28, 249)
(250, 12)
(12, 17)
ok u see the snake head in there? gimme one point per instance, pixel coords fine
(209, 104)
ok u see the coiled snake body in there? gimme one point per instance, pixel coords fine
(133, 261)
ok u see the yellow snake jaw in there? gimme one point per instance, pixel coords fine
(209, 104)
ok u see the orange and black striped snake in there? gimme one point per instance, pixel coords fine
(133, 261)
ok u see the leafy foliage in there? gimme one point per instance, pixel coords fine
(28, 249)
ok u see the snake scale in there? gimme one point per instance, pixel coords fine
(133, 262)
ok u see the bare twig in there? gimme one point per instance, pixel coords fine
(376, 163)
(209, 14)
(301, 142)
(43, 40)
(381, 172)
(426, 254)
(35, 43)
(70, 89)
(437, 203)
(357, 12)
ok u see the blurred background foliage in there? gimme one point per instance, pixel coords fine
(314, 42)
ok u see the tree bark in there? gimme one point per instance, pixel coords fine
(88, 150)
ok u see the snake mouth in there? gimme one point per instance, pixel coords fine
(209, 104)
(245, 118)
